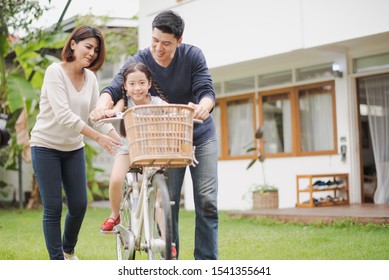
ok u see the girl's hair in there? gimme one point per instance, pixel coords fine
(79, 34)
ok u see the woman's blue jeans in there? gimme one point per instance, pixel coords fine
(205, 188)
(53, 169)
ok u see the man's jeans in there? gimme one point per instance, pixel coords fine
(53, 168)
(205, 188)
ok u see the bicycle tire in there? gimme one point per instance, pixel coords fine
(125, 241)
(160, 227)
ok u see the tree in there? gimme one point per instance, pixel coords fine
(23, 60)
(22, 64)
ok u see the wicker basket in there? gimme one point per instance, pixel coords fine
(263, 200)
(160, 135)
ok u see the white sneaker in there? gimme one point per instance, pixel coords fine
(70, 257)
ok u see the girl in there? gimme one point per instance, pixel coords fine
(136, 85)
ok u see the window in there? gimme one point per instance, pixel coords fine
(316, 115)
(277, 123)
(370, 63)
(237, 116)
(297, 121)
(314, 72)
(245, 84)
(278, 78)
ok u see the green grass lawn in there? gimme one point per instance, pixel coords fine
(21, 238)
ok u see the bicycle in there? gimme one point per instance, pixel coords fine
(159, 136)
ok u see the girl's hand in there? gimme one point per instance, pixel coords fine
(102, 113)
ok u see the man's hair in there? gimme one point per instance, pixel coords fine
(169, 22)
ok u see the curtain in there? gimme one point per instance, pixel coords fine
(277, 124)
(377, 99)
(240, 127)
(287, 126)
(317, 132)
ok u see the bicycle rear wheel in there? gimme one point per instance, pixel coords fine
(125, 240)
(160, 220)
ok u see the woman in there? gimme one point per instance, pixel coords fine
(69, 93)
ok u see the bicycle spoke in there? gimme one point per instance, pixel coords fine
(125, 244)
(160, 222)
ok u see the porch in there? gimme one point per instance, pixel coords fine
(361, 213)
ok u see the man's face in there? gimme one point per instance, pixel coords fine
(163, 46)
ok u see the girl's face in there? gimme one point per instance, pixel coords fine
(137, 86)
(85, 51)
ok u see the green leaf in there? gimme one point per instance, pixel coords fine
(20, 92)
(251, 163)
(4, 45)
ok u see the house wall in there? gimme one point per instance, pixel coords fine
(229, 33)
(259, 37)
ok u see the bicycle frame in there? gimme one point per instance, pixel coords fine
(137, 237)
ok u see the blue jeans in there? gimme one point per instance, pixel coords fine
(53, 168)
(205, 188)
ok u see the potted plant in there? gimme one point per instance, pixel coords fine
(264, 195)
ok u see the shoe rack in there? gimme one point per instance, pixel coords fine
(322, 190)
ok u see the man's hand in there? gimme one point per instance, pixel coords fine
(202, 109)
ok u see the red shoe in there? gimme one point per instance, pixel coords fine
(174, 252)
(109, 224)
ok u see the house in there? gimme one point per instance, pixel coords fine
(308, 72)
(311, 73)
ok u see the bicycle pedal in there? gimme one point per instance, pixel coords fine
(109, 233)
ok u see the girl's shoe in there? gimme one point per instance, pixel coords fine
(110, 223)
(174, 252)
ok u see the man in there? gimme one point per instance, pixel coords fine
(179, 72)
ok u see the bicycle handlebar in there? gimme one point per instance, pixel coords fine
(119, 116)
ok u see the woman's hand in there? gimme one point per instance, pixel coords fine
(109, 144)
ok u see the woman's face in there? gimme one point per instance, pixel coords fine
(85, 51)
(137, 86)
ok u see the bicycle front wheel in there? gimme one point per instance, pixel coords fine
(160, 220)
(125, 241)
